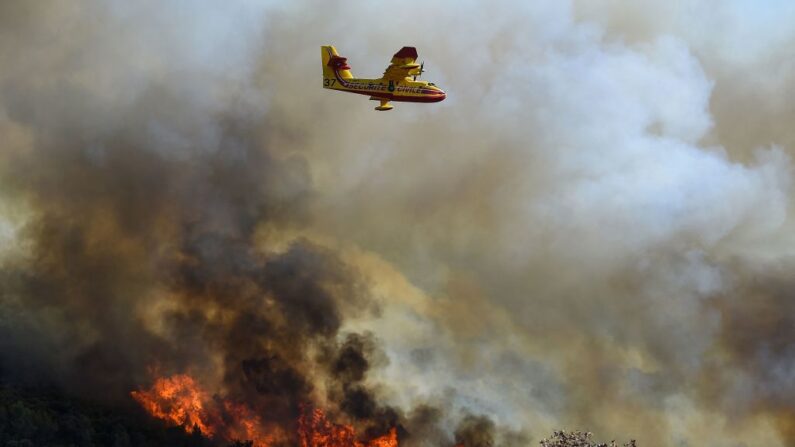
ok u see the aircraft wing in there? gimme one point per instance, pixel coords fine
(403, 65)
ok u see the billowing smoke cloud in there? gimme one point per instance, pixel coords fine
(140, 254)
(591, 232)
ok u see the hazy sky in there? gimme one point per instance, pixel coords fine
(593, 231)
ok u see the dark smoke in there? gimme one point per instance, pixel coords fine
(117, 221)
(480, 431)
(606, 247)
(475, 431)
(144, 258)
(757, 356)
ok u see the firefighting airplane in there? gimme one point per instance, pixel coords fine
(399, 82)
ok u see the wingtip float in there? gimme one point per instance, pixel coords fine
(399, 82)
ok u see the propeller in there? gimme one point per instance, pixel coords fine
(422, 69)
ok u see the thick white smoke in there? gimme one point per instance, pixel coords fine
(566, 241)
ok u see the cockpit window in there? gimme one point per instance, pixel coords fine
(431, 84)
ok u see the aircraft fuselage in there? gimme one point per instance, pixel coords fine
(399, 82)
(405, 91)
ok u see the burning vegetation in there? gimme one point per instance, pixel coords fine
(168, 269)
(315, 430)
(187, 237)
(177, 400)
(180, 401)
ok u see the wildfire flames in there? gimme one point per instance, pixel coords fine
(180, 401)
(315, 430)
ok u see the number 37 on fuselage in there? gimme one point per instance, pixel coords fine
(399, 82)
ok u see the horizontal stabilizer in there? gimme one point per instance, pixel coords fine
(334, 66)
(339, 63)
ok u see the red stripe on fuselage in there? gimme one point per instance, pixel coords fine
(426, 96)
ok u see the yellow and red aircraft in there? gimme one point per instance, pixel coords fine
(399, 82)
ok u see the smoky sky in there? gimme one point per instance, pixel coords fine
(591, 232)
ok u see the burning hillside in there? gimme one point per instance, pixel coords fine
(589, 232)
(177, 400)
(180, 401)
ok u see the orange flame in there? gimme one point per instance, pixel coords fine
(179, 400)
(315, 430)
(244, 424)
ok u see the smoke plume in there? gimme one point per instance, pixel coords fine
(592, 232)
